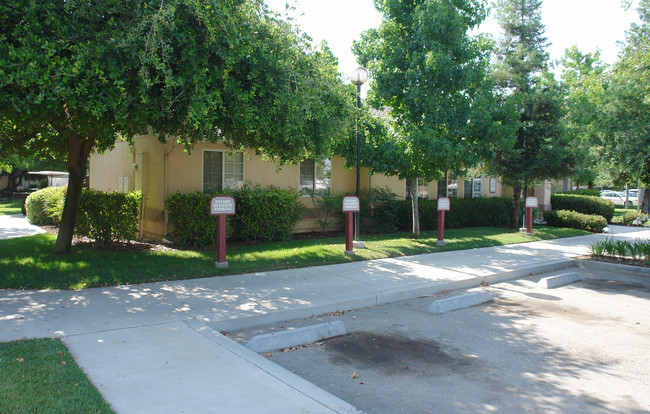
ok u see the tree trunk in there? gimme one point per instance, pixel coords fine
(516, 206)
(413, 190)
(78, 152)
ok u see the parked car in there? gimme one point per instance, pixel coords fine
(619, 198)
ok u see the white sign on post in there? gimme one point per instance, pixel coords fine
(531, 202)
(351, 204)
(222, 205)
(443, 204)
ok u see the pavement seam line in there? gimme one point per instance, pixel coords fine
(123, 328)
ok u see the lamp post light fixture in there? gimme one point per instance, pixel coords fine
(358, 77)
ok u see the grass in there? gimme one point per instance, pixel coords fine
(11, 207)
(28, 262)
(40, 376)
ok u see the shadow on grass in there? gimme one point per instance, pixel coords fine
(28, 262)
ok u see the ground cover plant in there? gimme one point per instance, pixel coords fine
(8, 207)
(40, 376)
(638, 249)
(28, 262)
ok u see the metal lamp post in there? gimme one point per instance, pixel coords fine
(358, 77)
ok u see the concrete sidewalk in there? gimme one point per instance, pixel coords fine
(16, 225)
(157, 347)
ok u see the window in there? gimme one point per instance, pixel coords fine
(472, 188)
(477, 187)
(423, 190)
(448, 186)
(222, 169)
(315, 176)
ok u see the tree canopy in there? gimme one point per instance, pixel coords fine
(75, 76)
(431, 76)
(539, 148)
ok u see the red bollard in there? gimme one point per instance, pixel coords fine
(349, 230)
(531, 203)
(221, 239)
(350, 205)
(441, 226)
(443, 205)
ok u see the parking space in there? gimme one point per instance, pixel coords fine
(574, 349)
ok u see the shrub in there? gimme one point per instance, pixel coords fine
(634, 218)
(583, 191)
(573, 219)
(328, 208)
(396, 215)
(583, 204)
(262, 213)
(45, 206)
(108, 217)
(380, 209)
(190, 223)
(265, 213)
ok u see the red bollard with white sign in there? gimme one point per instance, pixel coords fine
(350, 205)
(443, 205)
(221, 206)
(531, 203)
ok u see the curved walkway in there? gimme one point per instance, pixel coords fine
(16, 225)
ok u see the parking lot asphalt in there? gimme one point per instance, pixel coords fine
(578, 348)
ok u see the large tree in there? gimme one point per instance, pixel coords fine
(75, 75)
(539, 147)
(582, 79)
(431, 76)
(626, 105)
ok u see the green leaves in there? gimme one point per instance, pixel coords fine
(432, 76)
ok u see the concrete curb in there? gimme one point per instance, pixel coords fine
(293, 337)
(612, 267)
(460, 302)
(292, 380)
(387, 296)
(559, 280)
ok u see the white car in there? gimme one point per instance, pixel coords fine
(619, 198)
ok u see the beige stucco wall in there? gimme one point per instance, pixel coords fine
(159, 170)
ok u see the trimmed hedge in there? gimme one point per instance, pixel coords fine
(108, 217)
(45, 207)
(262, 213)
(583, 204)
(583, 191)
(573, 219)
(391, 215)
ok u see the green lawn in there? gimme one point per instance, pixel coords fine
(40, 376)
(11, 207)
(28, 262)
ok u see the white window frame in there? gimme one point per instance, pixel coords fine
(446, 179)
(223, 168)
(303, 190)
(477, 192)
